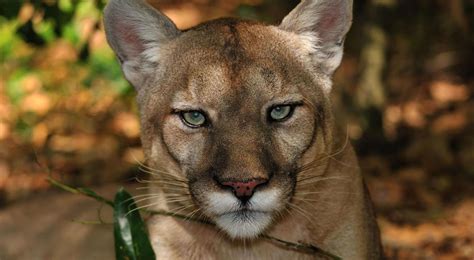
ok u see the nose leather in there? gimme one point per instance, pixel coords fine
(244, 189)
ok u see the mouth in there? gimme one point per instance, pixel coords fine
(244, 223)
(243, 213)
(243, 220)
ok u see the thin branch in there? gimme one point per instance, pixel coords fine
(300, 247)
(91, 222)
(83, 191)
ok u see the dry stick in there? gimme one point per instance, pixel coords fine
(300, 247)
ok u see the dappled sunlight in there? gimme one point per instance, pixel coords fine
(444, 92)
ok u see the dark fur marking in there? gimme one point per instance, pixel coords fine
(219, 163)
(268, 162)
(162, 139)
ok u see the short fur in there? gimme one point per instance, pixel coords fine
(234, 72)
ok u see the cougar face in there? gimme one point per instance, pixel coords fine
(235, 122)
(231, 110)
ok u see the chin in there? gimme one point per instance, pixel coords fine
(243, 221)
(244, 224)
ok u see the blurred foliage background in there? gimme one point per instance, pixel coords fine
(405, 88)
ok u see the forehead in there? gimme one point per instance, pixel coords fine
(229, 60)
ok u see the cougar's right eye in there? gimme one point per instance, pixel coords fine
(193, 118)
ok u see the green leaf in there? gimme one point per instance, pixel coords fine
(65, 6)
(131, 238)
(70, 33)
(8, 37)
(46, 30)
(14, 89)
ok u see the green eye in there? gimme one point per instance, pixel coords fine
(280, 113)
(193, 118)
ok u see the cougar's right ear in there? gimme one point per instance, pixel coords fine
(137, 33)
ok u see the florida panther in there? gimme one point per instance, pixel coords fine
(238, 129)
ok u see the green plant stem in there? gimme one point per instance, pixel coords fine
(82, 191)
(91, 222)
(300, 247)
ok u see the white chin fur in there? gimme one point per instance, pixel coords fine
(247, 224)
(227, 213)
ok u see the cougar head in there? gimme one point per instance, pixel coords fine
(231, 110)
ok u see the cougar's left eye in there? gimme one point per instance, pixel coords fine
(281, 112)
(193, 118)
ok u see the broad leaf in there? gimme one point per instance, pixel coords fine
(131, 237)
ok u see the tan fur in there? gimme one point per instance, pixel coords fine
(235, 71)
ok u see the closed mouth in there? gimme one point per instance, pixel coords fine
(243, 212)
(244, 223)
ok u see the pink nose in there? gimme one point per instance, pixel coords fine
(244, 189)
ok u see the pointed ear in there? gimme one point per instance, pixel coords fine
(324, 23)
(137, 32)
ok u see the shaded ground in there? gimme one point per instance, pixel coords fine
(449, 237)
(43, 228)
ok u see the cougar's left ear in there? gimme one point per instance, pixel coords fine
(137, 33)
(324, 23)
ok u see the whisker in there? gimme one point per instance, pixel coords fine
(145, 199)
(152, 195)
(156, 171)
(170, 179)
(177, 190)
(144, 166)
(309, 202)
(135, 197)
(160, 173)
(152, 204)
(164, 175)
(190, 215)
(326, 156)
(321, 192)
(354, 166)
(300, 210)
(132, 198)
(180, 209)
(308, 177)
(160, 182)
(177, 200)
(141, 207)
(313, 164)
(173, 194)
(315, 179)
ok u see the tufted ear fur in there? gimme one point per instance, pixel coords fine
(137, 33)
(323, 24)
